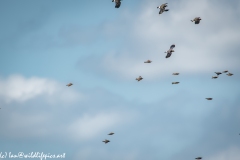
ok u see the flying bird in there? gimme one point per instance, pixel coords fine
(214, 77)
(218, 73)
(169, 52)
(175, 73)
(196, 20)
(229, 74)
(69, 84)
(148, 61)
(111, 133)
(106, 141)
(162, 8)
(225, 71)
(117, 3)
(175, 82)
(209, 98)
(198, 158)
(139, 78)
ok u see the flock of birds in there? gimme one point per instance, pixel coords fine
(169, 53)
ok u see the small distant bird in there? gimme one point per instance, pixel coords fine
(175, 73)
(196, 20)
(175, 82)
(111, 133)
(229, 74)
(214, 77)
(69, 84)
(198, 158)
(148, 61)
(218, 73)
(169, 52)
(225, 71)
(139, 78)
(106, 141)
(117, 3)
(209, 98)
(162, 8)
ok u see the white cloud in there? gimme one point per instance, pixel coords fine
(20, 89)
(25, 125)
(199, 48)
(90, 126)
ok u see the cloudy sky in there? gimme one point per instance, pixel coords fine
(46, 44)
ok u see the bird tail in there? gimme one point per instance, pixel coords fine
(166, 10)
(192, 20)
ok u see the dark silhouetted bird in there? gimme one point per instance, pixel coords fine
(148, 61)
(209, 98)
(229, 74)
(225, 71)
(139, 78)
(218, 73)
(169, 52)
(117, 3)
(162, 8)
(175, 73)
(106, 141)
(69, 84)
(196, 20)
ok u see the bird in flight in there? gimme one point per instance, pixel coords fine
(229, 74)
(209, 98)
(218, 73)
(139, 78)
(106, 141)
(162, 8)
(169, 52)
(196, 20)
(117, 3)
(225, 71)
(69, 84)
(175, 73)
(148, 61)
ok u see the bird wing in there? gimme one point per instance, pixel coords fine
(163, 6)
(161, 11)
(197, 22)
(118, 4)
(172, 46)
(168, 54)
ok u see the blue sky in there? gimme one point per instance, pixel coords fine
(44, 45)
